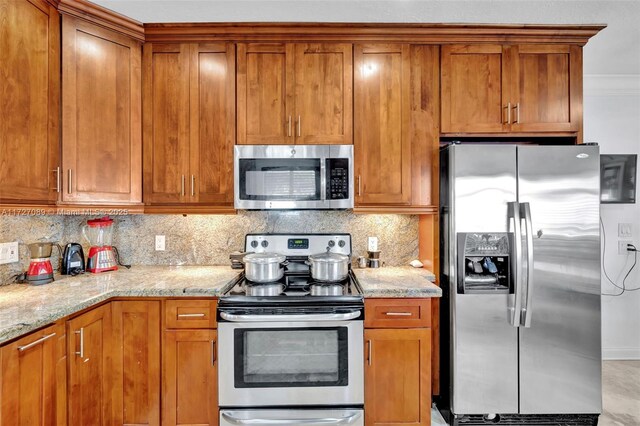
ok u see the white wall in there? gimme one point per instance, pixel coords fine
(612, 118)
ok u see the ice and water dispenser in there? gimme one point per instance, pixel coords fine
(484, 263)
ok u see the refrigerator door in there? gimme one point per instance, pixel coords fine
(560, 348)
(484, 345)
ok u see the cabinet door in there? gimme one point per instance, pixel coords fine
(28, 383)
(323, 93)
(166, 122)
(213, 123)
(397, 377)
(30, 101)
(546, 88)
(101, 115)
(136, 362)
(474, 89)
(89, 359)
(189, 378)
(382, 141)
(265, 90)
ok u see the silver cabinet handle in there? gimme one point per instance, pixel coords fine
(191, 315)
(193, 185)
(369, 344)
(508, 108)
(514, 213)
(350, 419)
(81, 351)
(58, 185)
(35, 342)
(299, 126)
(526, 309)
(213, 352)
(69, 181)
(289, 126)
(182, 186)
(399, 314)
(517, 108)
(280, 318)
(359, 186)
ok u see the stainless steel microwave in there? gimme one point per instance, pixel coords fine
(293, 177)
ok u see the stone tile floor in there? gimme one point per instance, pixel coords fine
(620, 395)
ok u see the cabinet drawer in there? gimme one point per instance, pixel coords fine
(400, 313)
(190, 314)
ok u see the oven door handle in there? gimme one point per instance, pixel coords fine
(286, 318)
(320, 421)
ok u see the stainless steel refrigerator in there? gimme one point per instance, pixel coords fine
(520, 244)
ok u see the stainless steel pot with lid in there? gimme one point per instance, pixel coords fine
(264, 267)
(329, 267)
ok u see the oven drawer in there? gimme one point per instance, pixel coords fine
(293, 417)
(190, 314)
(397, 313)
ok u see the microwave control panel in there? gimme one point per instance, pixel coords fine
(337, 178)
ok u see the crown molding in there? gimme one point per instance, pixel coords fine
(103, 17)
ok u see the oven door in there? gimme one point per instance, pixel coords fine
(332, 417)
(294, 363)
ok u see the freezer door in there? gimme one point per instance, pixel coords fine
(484, 345)
(560, 348)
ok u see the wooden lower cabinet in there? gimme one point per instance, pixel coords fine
(31, 392)
(397, 377)
(89, 366)
(189, 378)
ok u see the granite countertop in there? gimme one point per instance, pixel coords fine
(24, 308)
(402, 281)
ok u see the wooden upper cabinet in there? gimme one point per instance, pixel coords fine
(30, 379)
(546, 88)
(166, 122)
(213, 118)
(528, 88)
(323, 93)
(90, 364)
(295, 93)
(101, 115)
(396, 101)
(136, 363)
(265, 93)
(30, 101)
(382, 143)
(189, 378)
(397, 363)
(474, 88)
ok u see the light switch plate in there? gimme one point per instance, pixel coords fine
(9, 252)
(625, 230)
(160, 242)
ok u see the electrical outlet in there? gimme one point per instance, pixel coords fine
(160, 242)
(622, 246)
(625, 230)
(372, 244)
(9, 253)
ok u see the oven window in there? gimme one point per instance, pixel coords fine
(291, 357)
(280, 179)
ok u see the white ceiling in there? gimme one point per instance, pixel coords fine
(615, 50)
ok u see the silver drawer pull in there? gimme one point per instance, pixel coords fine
(399, 314)
(36, 342)
(191, 315)
(80, 353)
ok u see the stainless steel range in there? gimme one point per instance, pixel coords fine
(291, 351)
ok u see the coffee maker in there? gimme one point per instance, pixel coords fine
(98, 232)
(40, 270)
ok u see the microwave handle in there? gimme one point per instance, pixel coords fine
(230, 418)
(284, 318)
(323, 180)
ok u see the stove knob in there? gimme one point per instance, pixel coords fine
(332, 243)
(341, 243)
(264, 243)
(254, 244)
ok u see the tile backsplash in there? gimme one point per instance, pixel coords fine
(208, 239)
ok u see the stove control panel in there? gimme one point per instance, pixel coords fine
(298, 244)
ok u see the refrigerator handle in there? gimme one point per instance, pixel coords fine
(513, 209)
(526, 309)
